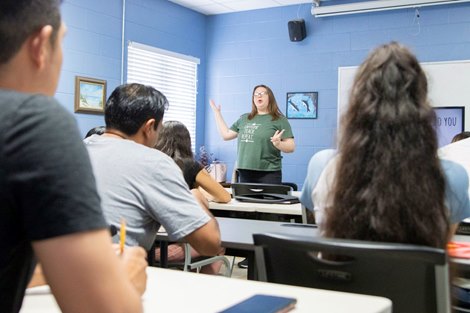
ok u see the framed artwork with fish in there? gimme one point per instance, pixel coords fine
(302, 105)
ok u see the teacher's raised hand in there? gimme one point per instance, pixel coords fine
(214, 107)
(277, 137)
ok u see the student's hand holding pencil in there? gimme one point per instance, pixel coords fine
(135, 263)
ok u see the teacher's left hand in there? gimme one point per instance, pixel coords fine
(276, 138)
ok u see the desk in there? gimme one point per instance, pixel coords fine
(175, 291)
(462, 265)
(238, 233)
(237, 236)
(258, 210)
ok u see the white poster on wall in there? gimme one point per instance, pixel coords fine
(448, 85)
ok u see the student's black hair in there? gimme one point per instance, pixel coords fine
(21, 18)
(131, 105)
(98, 130)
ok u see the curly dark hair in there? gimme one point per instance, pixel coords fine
(389, 185)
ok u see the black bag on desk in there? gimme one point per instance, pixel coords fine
(263, 193)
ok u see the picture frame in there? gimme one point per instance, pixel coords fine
(90, 95)
(302, 105)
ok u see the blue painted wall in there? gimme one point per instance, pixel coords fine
(92, 47)
(248, 48)
(240, 50)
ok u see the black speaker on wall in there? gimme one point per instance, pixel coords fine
(297, 30)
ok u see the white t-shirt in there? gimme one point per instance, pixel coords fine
(456, 195)
(459, 152)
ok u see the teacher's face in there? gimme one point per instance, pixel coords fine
(261, 99)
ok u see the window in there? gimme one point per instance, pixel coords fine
(173, 74)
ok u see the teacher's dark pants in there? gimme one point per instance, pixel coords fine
(265, 177)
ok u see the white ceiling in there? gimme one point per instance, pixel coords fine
(211, 7)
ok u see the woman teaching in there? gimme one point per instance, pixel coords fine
(262, 135)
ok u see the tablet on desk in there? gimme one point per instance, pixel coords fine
(263, 304)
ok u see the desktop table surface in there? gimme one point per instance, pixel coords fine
(463, 264)
(176, 291)
(273, 208)
(237, 236)
(238, 233)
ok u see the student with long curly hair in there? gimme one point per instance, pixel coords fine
(386, 182)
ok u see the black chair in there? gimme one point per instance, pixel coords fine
(414, 277)
(293, 185)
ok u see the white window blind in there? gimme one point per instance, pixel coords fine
(173, 74)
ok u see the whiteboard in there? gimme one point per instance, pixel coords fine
(448, 85)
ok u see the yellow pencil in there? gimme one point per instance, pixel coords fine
(122, 240)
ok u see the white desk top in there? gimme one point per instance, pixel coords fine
(461, 261)
(238, 233)
(235, 205)
(176, 291)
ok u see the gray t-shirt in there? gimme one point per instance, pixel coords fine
(144, 186)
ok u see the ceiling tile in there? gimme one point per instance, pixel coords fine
(209, 7)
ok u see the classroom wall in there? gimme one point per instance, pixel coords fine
(248, 48)
(240, 50)
(92, 47)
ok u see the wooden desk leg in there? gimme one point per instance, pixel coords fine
(164, 254)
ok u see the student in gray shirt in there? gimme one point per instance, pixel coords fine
(141, 184)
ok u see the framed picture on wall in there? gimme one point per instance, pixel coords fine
(90, 95)
(302, 105)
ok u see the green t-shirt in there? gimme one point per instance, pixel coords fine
(255, 150)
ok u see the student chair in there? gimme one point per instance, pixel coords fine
(292, 185)
(189, 263)
(414, 277)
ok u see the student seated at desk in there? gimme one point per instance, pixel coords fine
(458, 151)
(50, 208)
(140, 183)
(315, 167)
(386, 182)
(175, 141)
